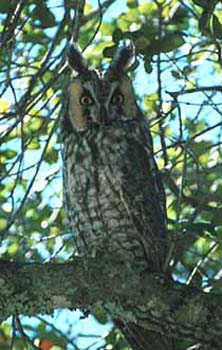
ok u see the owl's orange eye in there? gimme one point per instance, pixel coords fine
(117, 99)
(86, 100)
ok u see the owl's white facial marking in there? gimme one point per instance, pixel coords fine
(95, 100)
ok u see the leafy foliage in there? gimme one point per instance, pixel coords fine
(178, 80)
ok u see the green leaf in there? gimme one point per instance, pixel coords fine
(5, 6)
(117, 35)
(201, 147)
(208, 5)
(176, 74)
(3, 224)
(172, 42)
(217, 27)
(34, 144)
(37, 36)
(10, 153)
(51, 156)
(132, 3)
(35, 123)
(142, 45)
(148, 66)
(217, 217)
(202, 3)
(109, 51)
(167, 43)
(43, 14)
(204, 22)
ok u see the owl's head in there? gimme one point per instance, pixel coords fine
(101, 97)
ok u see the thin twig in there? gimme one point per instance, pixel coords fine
(175, 94)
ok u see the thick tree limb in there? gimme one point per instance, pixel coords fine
(153, 301)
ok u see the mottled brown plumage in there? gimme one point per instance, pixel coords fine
(113, 192)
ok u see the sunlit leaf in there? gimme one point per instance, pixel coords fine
(37, 36)
(3, 224)
(4, 106)
(13, 249)
(34, 144)
(35, 123)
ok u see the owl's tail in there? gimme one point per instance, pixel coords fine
(142, 339)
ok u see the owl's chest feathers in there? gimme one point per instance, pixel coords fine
(97, 159)
(110, 193)
(98, 169)
(96, 178)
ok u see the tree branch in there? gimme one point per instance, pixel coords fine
(153, 301)
(175, 94)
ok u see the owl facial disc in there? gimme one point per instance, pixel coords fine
(101, 98)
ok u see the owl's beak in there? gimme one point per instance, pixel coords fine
(104, 119)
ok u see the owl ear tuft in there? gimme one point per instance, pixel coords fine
(123, 59)
(76, 60)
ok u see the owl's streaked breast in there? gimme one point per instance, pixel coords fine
(109, 208)
(113, 193)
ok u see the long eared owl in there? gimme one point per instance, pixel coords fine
(113, 192)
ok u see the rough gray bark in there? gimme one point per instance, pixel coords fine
(180, 311)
